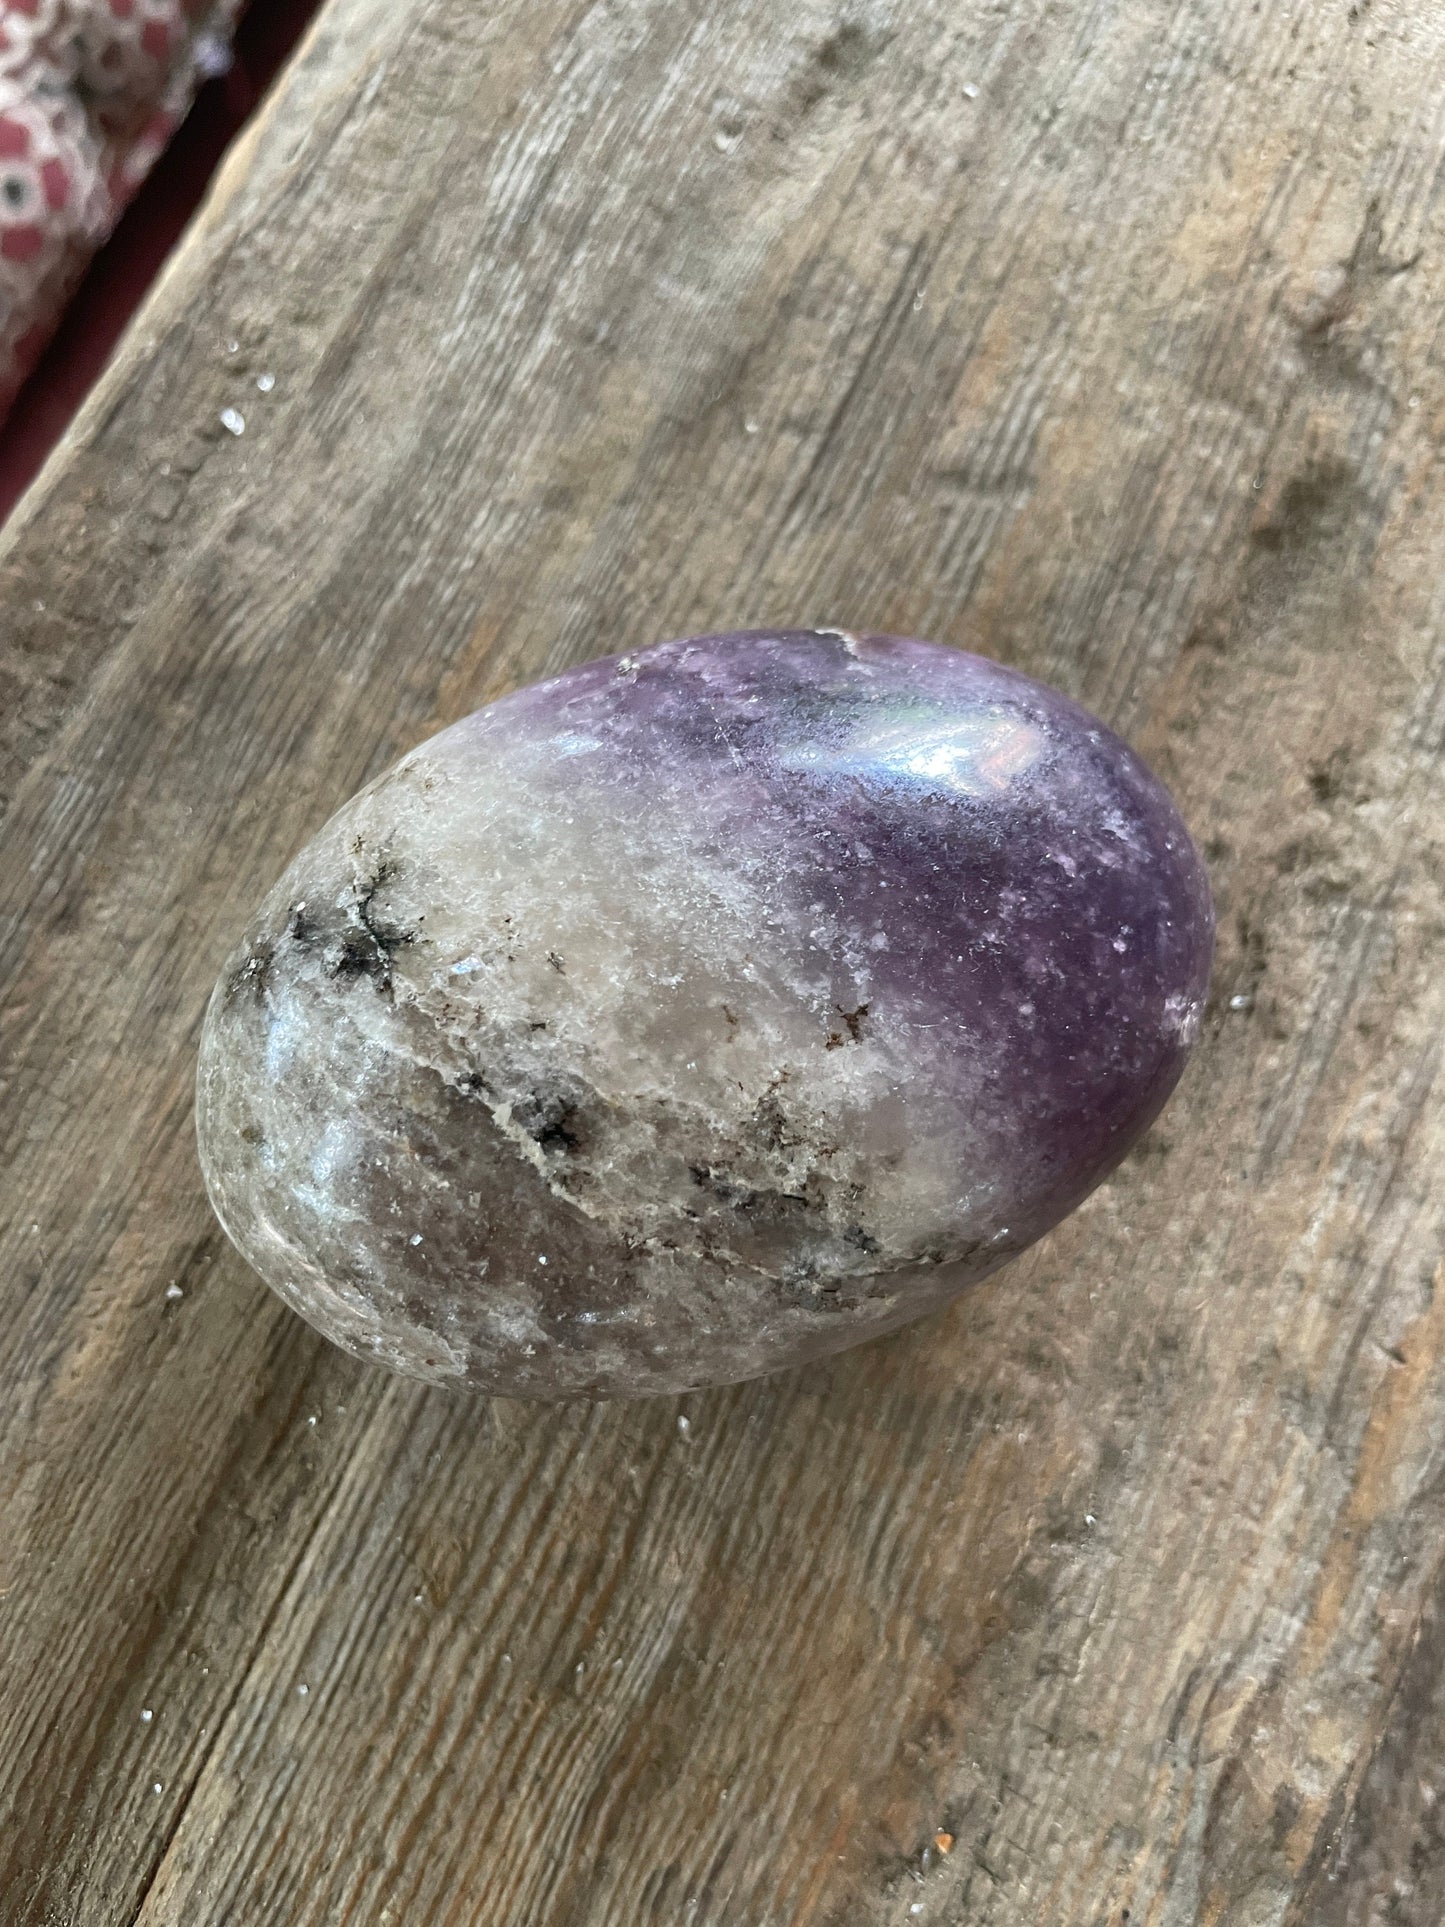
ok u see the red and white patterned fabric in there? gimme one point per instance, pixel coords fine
(90, 92)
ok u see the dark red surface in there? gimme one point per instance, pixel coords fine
(117, 279)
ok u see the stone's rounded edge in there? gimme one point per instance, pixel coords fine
(344, 1318)
(400, 1335)
(930, 1289)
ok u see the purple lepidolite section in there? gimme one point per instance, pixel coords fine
(700, 1012)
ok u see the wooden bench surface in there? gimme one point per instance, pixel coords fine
(1100, 334)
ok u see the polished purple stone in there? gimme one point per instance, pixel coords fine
(701, 1011)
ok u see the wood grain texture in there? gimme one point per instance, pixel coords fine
(1104, 334)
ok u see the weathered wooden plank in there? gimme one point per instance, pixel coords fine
(1104, 335)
